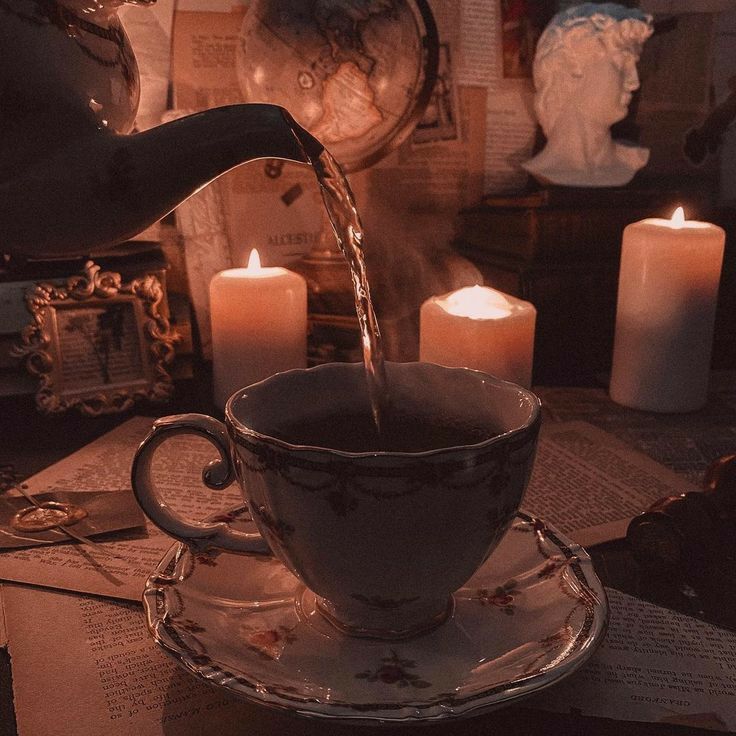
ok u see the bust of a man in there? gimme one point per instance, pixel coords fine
(584, 74)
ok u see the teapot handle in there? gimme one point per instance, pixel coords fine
(217, 475)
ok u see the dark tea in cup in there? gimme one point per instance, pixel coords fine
(381, 528)
(399, 432)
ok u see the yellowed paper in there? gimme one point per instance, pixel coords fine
(272, 206)
(149, 30)
(105, 465)
(83, 364)
(504, 70)
(479, 42)
(589, 485)
(441, 167)
(85, 667)
(439, 176)
(655, 666)
(409, 199)
(585, 482)
(512, 127)
(102, 465)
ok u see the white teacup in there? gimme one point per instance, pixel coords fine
(383, 537)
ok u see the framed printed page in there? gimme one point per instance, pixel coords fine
(97, 344)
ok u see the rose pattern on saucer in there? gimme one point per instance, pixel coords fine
(269, 643)
(394, 671)
(502, 597)
(550, 568)
(554, 565)
(205, 616)
(206, 557)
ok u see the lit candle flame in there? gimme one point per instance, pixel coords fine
(477, 302)
(254, 261)
(678, 217)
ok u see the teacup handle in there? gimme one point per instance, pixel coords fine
(216, 475)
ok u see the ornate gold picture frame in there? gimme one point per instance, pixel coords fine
(97, 344)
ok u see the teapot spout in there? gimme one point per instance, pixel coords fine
(103, 188)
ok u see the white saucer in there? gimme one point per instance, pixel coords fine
(530, 616)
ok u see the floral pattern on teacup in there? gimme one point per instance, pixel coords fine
(493, 465)
(277, 528)
(342, 484)
(341, 501)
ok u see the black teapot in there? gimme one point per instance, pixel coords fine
(72, 175)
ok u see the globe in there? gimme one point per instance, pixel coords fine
(357, 74)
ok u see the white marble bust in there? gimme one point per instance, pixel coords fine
(584, 74)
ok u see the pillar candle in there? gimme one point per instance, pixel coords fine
(481, 328)
(259, 325)
(667, 292)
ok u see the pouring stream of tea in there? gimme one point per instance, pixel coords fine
(340, 205)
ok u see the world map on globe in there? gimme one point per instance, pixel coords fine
(355, 73)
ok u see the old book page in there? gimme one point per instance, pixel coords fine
(121, 684)
(655, 666)
(684, 443)
(87, 667)
(589, 484)
(498, 41)
(585, 482)
(105, 465)
(440, 168)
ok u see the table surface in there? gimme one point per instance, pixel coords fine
(686, 443)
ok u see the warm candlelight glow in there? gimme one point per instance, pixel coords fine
(259, 325)
(678, 222)
(665, 313)
(481, 328)
(254, 261)
(477, 302)
(253, 270)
